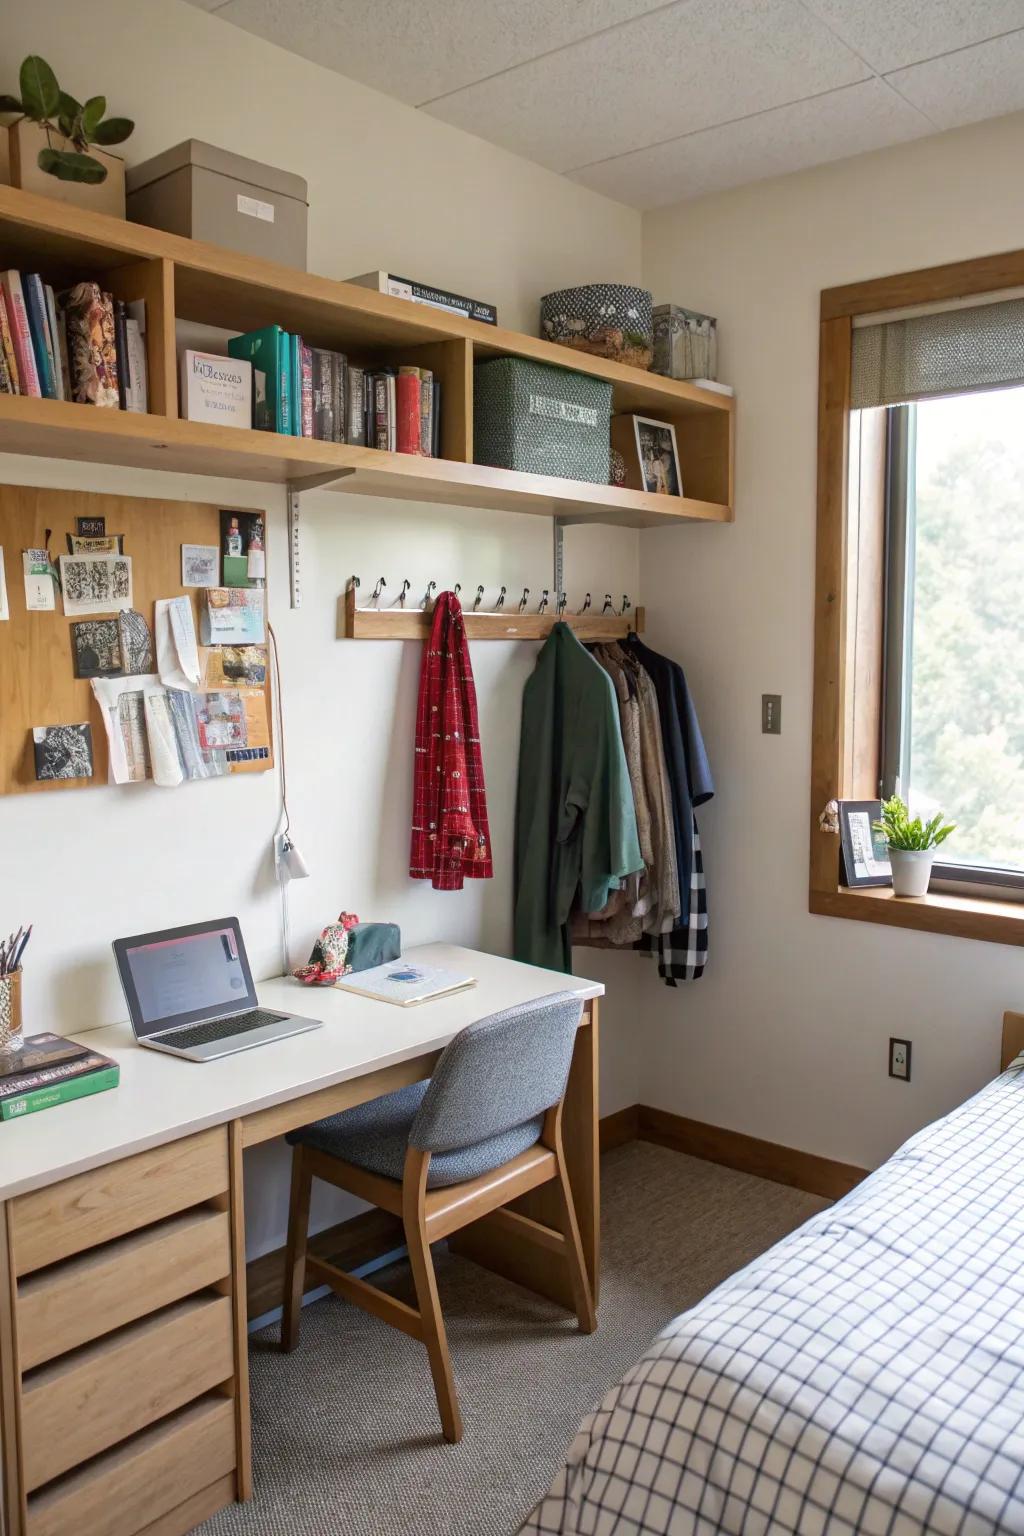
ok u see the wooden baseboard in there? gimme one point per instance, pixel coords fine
(373, 1233)
(766, 1159)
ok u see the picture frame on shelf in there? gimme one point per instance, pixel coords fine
(651, 454)
(863, 852)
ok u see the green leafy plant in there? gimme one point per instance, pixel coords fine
(915, 836)
(42, 101)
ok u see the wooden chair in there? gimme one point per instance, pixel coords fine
(484, 1130)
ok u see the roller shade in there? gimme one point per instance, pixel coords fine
(981, 347)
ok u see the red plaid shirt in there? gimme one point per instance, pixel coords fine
(451, 840)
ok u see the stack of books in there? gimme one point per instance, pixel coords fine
(306, 391)
(50, 1070)
(82, 345)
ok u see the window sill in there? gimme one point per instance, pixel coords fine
(963, 917)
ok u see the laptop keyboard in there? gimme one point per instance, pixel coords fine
(219, 1029)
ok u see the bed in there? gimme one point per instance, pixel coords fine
(866, 1375)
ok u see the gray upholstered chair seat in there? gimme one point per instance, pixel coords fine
(375, 1137)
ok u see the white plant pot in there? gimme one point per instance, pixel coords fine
(911, 870)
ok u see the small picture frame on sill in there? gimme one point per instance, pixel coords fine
(863, 852)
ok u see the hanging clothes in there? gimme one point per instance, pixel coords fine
(682, 952)
(576, 828)
(451, 840)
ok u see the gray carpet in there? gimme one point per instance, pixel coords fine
(346, 1438)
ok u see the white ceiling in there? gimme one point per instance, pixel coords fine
(653, 103)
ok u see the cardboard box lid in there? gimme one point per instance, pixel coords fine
(193, 153)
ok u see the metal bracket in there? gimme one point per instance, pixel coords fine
(558, 537)
(294, 489)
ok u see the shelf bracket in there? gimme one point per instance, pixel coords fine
(294, 489)
(558, 552)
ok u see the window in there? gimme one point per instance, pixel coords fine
(953, 700)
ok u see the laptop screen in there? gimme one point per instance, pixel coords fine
(184, 975)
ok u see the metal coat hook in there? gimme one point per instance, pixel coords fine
(586, 605)
(457, 588)
(608, 604)
(402, 595)
(499, 605)
(353, 582)
(478, 599)
(523, 600)
(543, 600)
(428, 596)
(626, 604)
(378, 589)
(563, 598)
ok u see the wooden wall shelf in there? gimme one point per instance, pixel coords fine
(398, 623)
(187, 280)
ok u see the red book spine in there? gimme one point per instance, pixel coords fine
(307, 391)
(409, 412)
(21, 336)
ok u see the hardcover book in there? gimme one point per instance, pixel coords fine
(434, 298)
(355, 379)
(21, 335)
(216, 389)
(268, 350)
(90, 328)
(7, 346)
(39, 328)
(381, 434)
(426, 412)
(408, 426)
(58, 346)
(121, 348)
(306, 365)
(339, 404)
(323, 395)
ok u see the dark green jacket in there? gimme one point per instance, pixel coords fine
(575, 819)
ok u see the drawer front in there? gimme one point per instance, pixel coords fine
(131, 1487)
(87, 1402)
(95, 1207)
(81, 1299)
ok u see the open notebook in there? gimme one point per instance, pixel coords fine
(405, 984)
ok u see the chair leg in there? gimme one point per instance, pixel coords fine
(578, 1277)
(295, 1250)
(432, 1322)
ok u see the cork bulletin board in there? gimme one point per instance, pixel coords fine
(38, 685)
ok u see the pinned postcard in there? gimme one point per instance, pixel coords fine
(96, 583)
(177, 655)
(200, 565)
(233, 616)
(122, 707)
(231, 666)
(221, 721)
(5, 611)
(39, 596)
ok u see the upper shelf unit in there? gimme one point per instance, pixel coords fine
(187, 280)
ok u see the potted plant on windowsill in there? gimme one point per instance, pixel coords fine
(57, 145)
(912, 846)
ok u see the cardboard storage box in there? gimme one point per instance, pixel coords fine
(206, 193)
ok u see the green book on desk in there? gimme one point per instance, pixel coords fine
(50, 1070)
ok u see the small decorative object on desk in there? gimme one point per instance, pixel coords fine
(11, 951)
(685, 343)
(607, 319)
(912, 845)
(328, 960)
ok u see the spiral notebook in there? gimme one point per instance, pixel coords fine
(405, 984)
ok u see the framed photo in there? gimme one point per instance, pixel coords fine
(658, 455)
(864, 854)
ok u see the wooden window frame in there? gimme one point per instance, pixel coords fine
(849, 608)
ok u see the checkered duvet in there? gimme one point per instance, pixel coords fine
(866, 1375)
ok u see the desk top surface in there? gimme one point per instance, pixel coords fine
(162, 1097)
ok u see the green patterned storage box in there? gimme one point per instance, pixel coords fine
(548, 421)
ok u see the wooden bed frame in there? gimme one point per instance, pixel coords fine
(1013, 1039)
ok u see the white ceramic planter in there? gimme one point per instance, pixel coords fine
(911, 870)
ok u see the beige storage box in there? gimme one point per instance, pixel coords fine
(206, 193)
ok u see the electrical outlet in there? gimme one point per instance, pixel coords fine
(899, 1059)
(771, 714)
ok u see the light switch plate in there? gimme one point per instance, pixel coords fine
(899, 1059)
(771, 714)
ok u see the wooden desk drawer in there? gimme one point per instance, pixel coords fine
(83, 1298)
(92, 1208)
(129, 1488)
(81, 1405)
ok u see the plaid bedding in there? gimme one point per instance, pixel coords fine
(865, 1377)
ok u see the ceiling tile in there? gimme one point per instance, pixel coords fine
(206, 5)
(892, 33)
(967, 87)
(416, 51)
(695, 64)
(792, 138)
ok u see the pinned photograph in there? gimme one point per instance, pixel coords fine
(96, 647)
(659, 456)
(63, 751)
(233, 665)
(220, 719)
(39, 582)
(91, 527)
(136, 643)
(96, 583)
(200, 565)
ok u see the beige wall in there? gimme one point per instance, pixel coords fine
(97, 863)
(786, 1035)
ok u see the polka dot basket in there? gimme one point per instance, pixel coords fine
(607, 319)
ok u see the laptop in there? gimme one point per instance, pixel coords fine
(190, 992)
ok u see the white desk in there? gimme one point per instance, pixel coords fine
(122, 1237)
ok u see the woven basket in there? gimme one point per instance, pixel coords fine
(547, 421)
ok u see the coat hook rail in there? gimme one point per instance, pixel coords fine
(403, 620)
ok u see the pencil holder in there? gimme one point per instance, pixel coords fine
(10, 1012)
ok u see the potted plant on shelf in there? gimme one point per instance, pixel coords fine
(58, 145)
(912, 846)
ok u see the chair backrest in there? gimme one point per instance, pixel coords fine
(498, 1073)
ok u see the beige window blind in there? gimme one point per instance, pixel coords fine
(952, 352)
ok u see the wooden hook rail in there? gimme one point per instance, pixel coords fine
(399, 623)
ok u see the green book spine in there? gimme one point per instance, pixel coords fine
(60, 1093)
(270, 351)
